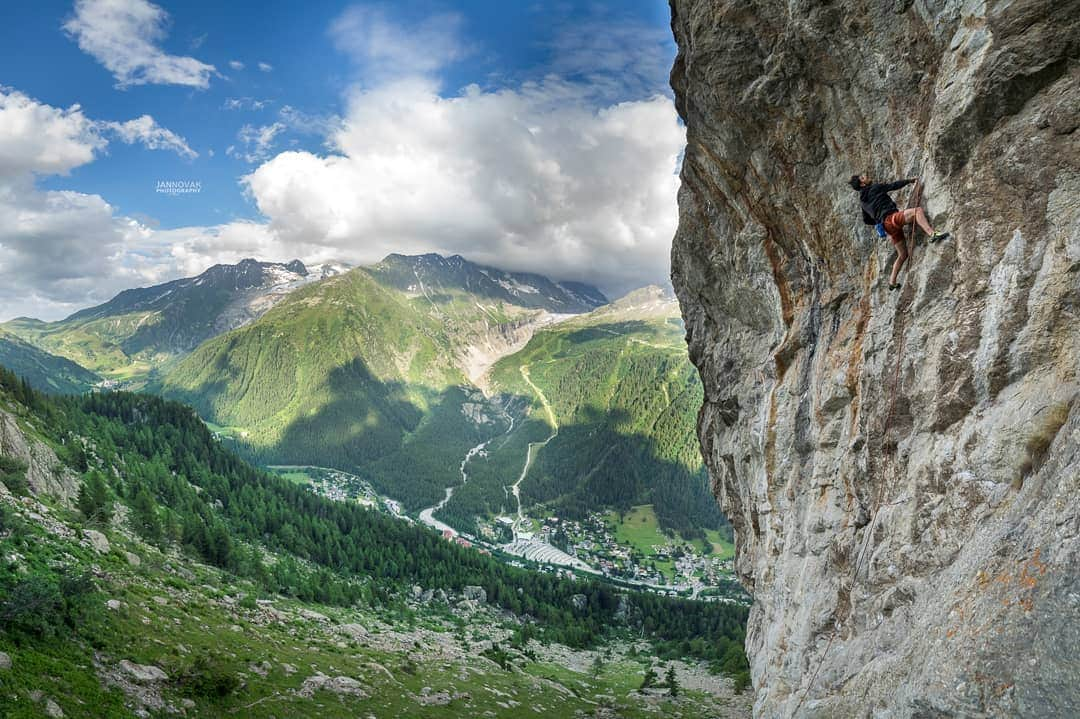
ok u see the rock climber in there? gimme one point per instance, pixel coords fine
(879, 209)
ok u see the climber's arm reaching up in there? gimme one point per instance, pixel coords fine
(893, 186)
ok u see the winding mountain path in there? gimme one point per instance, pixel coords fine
(640, 341)
(533, 447)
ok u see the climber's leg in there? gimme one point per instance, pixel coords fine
(894, 225)
(901, 257)
(917, 216)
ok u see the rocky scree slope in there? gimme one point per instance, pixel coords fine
(902, 469)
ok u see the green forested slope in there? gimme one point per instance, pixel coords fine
(184, 493)
(44, 371)
(625, 397)
(345, 373)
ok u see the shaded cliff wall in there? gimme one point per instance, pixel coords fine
(902, 468)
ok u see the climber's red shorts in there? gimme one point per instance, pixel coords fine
(894, 225)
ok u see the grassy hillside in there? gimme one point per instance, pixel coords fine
(44, 371)
(227, 649)
(345, 373)
(95, 344)
(625, 398)
(185, 578)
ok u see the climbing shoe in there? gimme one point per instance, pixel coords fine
(894, 287)
(939, 236)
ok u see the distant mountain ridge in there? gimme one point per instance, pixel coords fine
(426, 274)
(193, 309)
(142, 327)
(141, 330)
(246, 274)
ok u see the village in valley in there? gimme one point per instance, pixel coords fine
(641, 553)
(628, 547)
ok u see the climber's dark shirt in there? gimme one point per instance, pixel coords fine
(875, 200)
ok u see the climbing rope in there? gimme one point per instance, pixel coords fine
(914, 201)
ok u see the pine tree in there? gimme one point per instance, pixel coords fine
(94, 502)
(144, 516)
(672, 681)
(649, 680)
(13, 475)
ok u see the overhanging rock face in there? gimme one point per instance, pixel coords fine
(902, 468)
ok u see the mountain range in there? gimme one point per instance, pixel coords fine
(141, 329)
(523, 289)
(396, 371)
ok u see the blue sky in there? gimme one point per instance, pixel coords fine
(332, 130)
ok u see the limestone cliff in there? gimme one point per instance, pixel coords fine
(902, 468)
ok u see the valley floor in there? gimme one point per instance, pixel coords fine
(629, 548)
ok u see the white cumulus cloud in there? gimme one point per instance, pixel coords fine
(193, 249)
(534, 178)
(60, 249)
(146, 131)
(37, 138)
(124, 36)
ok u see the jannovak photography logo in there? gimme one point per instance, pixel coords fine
(178, 187)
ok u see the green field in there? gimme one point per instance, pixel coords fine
(294, 475)
(639, 528)
(721, 547)
(234, 434)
